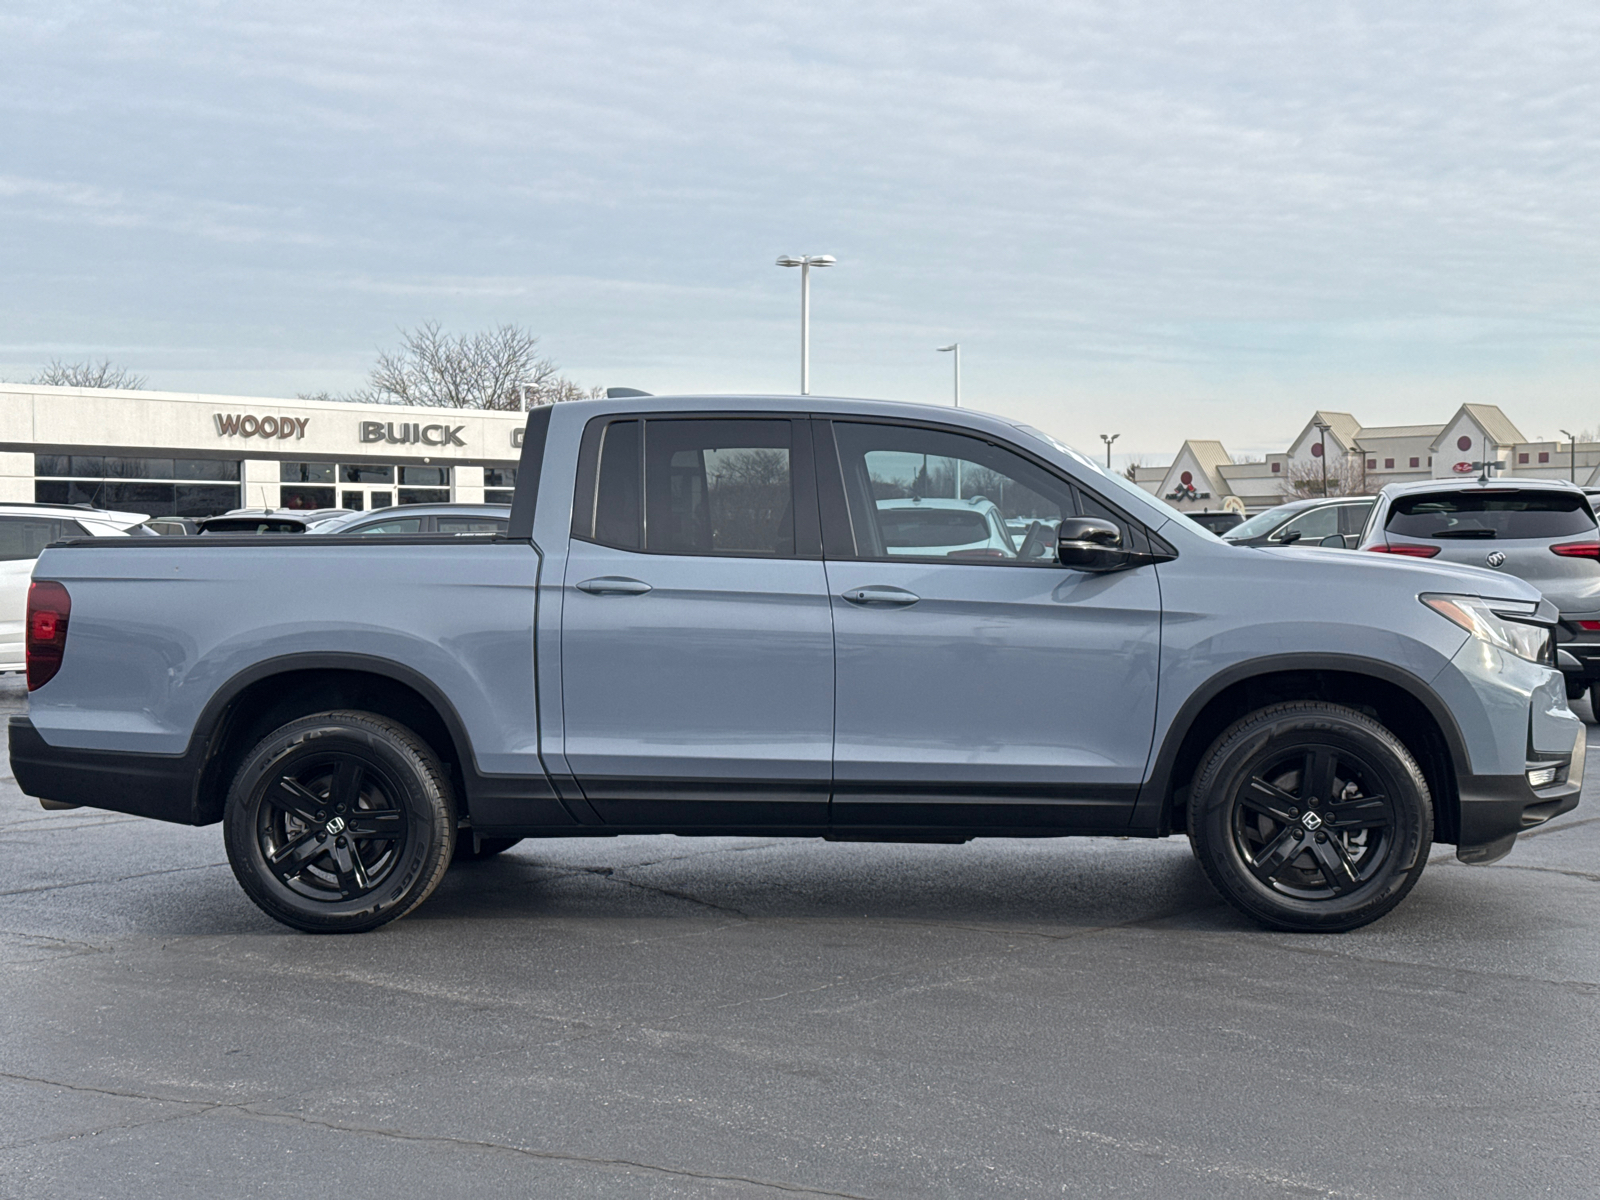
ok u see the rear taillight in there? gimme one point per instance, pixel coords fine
(1589, 550)
(1591, 626)
(1409, 549)
(49, 606)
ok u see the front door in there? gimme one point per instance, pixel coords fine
(696, 636)
(979, 684)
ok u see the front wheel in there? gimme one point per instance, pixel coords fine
(1311, 817)
(339, 822)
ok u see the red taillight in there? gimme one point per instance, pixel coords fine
(1409, 549)
(49, 606)
(1578, 550)
(1589, 625)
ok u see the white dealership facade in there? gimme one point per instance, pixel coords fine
(170, 453)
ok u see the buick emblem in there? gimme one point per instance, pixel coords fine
(1311, 821)
(1495, 558)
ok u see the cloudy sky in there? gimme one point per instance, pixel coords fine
(1143, 217)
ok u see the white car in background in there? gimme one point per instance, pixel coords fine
(953, 528)
(25, 530)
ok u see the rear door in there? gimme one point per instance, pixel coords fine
(977, 690)
(696, 635)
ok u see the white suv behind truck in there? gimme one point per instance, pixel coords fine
(25, 530)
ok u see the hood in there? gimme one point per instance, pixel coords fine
(1359, 568)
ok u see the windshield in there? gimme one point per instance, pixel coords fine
(1490, 513)
(1257, 525)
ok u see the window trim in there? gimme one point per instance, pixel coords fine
(838, 530)
(803, 487)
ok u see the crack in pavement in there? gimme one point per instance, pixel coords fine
(611, 874)
(55, 887)
(1544, 829)
(1589, 875)
(254, 1110)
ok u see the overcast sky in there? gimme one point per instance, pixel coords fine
(1158, 219)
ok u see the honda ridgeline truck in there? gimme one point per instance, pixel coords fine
(736, 616)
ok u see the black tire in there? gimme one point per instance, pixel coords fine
(1577, 689)
(1319, 867)
(1594, 704)
(471, 849)
(358, 814)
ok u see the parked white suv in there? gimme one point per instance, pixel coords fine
(25, 530)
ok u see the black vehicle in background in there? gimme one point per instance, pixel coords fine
(1218, 522)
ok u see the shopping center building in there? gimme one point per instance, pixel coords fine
(169, 453)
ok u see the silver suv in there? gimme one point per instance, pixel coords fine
(1541, 530)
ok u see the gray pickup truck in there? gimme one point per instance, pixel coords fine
(793, 616)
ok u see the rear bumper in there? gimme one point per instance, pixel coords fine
(162, 786)
(1496, 808)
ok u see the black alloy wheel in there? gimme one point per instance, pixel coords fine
(1312, 817)
(339, 822)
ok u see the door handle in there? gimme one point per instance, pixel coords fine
(613, 585)
(897, 597)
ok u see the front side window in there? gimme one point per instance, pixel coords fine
(688, 486)
(1309, 528)
(397, 525)
(926, 493)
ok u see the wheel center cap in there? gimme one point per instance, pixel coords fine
(1310, 821)
(337, 825)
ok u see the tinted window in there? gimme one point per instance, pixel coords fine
(718, 487)
(363, 473)
(1490, 513)
(25, 537)
(500, 477)
(471, 525)
(305, 497)
(424, 495)
(1352, 517)
(292, 472)
(425, 476)
(606, 508)
(927, 493)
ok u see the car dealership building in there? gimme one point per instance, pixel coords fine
(170, 453)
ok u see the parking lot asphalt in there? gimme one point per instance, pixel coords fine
(727, 1017)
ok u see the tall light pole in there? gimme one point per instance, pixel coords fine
(1108, 438)
(805, 262)
(955, 346)
(1357, 447)
(1322, 441)
(1573, 441)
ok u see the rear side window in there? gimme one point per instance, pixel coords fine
(1490, 513)
(396, 525)
(23, 538)
(471, 525)
(689, 486)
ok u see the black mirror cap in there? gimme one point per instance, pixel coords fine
(1335, 541)
(1095, 544)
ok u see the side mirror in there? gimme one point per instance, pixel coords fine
(1334, 541)
(1091, 544)
(1289, 538)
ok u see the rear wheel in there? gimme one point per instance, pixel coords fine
(1594, 704)
(339, 822)
(1311, 817)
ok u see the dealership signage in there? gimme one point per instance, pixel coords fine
(250, 425)
(411, 433)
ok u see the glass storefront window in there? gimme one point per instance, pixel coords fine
(424, 495)
(305, 472)
(500, 477)
(425, 476)
(135, 484)
(497, 496)
(305, 497)
(365, 473)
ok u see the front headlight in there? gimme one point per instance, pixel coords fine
(1474, 614)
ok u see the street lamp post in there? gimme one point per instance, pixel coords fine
(1108, 438)
(1322, 442)
(805, 262)
(1357, 447)
(955, 346)
(1573, 459)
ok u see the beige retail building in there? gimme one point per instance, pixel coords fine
(171, 453)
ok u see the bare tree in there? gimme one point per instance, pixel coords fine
(1130, 472)
(88, 374)
(1304, 480)
(498, 369)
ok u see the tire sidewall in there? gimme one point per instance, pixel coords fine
(405, 768)
(1242, 750)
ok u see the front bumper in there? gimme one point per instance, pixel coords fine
(1496, 808)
